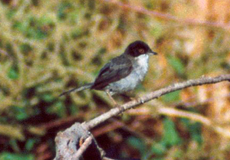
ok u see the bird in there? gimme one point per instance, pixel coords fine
(122, 73)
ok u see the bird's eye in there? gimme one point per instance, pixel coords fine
(141, 50)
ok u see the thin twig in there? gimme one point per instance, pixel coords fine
(106, 158)
(166, 16)
(195, 117)
(83, 148)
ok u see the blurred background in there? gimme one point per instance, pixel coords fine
(47, 47)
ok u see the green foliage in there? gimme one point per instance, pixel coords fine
(35, 27)
(20, 113)
(66, 11)
(12, 156)
(30, 144)
(25, 48)
(194, 129)
(47, 47)
(57, 108)
(137, 144)
(177, 64)
(13, 143)
(172, 97)
(10, 13)
(63, 9)
(13, 73)
(47, 97)
(76, 33)
(74, 109)
(170, 137)
(158, 148)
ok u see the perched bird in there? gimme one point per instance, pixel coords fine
(122, 73)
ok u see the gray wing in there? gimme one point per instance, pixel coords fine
(113, 71)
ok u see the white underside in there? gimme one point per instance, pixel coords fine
(140, 68)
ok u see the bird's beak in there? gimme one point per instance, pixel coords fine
(154, 53)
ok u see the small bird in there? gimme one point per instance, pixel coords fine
(122, 73)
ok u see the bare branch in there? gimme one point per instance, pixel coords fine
(178, 86)
(166, 16)
(69, 144)
(82, 149)
(67, 140)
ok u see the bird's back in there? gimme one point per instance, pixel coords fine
(130, 82)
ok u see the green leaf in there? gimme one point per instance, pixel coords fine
(13, 73)
(138, 144)
(44, 20)
(177, 64)
(12, 156)
(172, 97)
(21, 26)
(35, 27)
(194, 129)
(20, 113)
(13, 143)
(158, 148)
(11, 13)
(57, 108)
(47, 97)
(171, 136)
(74, 109)
(30, 144)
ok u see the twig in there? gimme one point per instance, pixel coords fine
(195, 117)
(153, 95)
(106, 158)
(107, 128)
(59, 122)
(167, 16)
(82, 149)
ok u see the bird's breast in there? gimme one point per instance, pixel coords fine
(140, 68)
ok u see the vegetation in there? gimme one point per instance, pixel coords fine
(47, 47)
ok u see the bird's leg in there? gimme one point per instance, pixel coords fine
(111, 98)
(130, 95)
(137, 99)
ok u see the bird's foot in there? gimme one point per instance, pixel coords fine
(137, 99)
(140, 100)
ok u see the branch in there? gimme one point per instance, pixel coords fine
(77, 142)
(166, 16)
(67, 142)
(153, 95)
(83, 148)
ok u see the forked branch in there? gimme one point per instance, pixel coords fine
(78, 132)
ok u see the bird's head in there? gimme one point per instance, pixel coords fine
(138, 48)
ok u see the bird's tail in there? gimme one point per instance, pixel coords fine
(77, 89)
